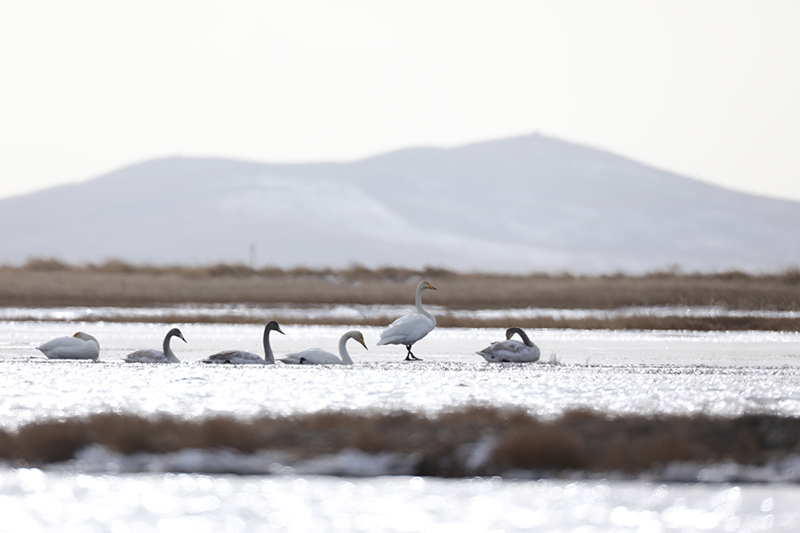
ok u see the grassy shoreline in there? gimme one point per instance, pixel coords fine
(584, 441)
(50, 283)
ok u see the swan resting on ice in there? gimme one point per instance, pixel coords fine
(410, 328)
(316, 356)
(79, 346)
(156, 356)
(240, 357)
(510, 350)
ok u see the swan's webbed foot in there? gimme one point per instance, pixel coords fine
(411, 356)
(302, 360)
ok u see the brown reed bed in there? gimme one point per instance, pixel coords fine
(584, 441)
(49, 283)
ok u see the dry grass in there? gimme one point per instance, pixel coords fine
(584, 440)
(52, 283)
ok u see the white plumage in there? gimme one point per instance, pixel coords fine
(241, 357)
(156, 356)
(410, 328)
(510, 350)
(317, 356)
(79, 346)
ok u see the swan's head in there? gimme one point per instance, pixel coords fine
(86, 337)
(511, 331)
(175, 332)
(487, 356)
(359, 337)
(425, 285)
(273, 326)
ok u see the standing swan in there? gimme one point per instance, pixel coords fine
(155, 356)
(315, 356)
(511, 351)
(79, 346)
(240, 357)
(408, 329)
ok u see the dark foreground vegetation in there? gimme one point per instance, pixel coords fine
(47, 283)
(582, 441)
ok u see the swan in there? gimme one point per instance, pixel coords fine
(511, 351)
(79, 346)
(410, 328)
(316, 356)
(156, 356)
(239, 357)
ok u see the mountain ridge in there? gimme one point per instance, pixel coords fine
(523, 204)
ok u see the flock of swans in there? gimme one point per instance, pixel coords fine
(404, 331)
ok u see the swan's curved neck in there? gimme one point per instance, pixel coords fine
(522, 335)
(167, 348)
(421, 310)
(268, 355)
(343, 350)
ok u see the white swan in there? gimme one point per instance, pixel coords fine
(79, 346)
(511, 351)
(156, 356)
(316, 356)
(240, 357)
(408, 329)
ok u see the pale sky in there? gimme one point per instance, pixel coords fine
(708, 89)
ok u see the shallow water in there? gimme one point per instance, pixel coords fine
(617, 372)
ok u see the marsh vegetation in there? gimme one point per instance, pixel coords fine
(51, 283)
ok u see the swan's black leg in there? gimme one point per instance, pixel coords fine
(411, 356)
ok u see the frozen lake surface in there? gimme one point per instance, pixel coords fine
(618, 372)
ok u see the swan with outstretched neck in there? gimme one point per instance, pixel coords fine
(241, 357)
(316, 356)
(511, 350)
(155, 356)
(410, 328)
(79, 346)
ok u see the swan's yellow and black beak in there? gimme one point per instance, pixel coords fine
(364, 344)
(431, 286)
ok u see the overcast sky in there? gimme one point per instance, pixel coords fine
(708, 89)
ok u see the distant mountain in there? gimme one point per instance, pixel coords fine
(523, 204)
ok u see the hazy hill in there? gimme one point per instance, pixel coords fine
(522, 204)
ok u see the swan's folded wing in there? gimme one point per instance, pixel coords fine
(407, 329)
(146, 356)
(69, 348)
(312, 356)
(510, 351)
(235, 357)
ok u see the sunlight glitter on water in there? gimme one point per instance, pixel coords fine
(616, 372)
(35, 500)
